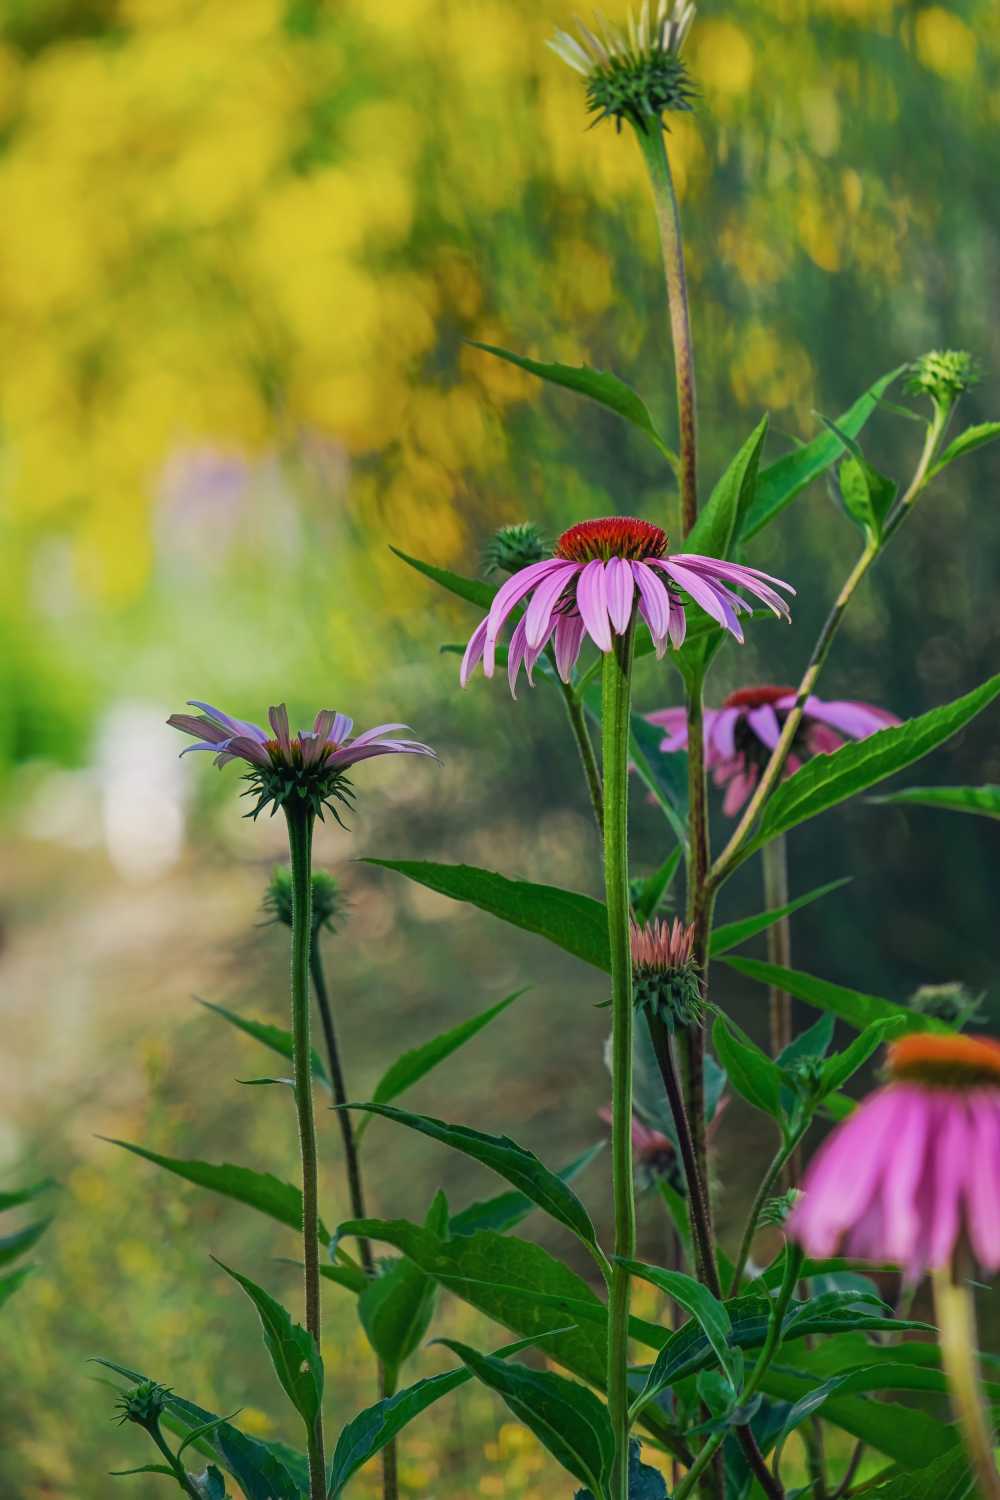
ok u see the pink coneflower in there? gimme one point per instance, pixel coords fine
(602, 571)
(915, 1171)
(740, 736)
(309, 765)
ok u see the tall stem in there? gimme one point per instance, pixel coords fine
(584, 744)
(700, 903)
(763, 1193)
(617, 673)
(672, 246)
(956, 1318)
(774, 858)
(300, 827)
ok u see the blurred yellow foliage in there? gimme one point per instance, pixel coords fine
(945, 43)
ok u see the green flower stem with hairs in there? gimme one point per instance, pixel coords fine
(616, 695)
(300, 819)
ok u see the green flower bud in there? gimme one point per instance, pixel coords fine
(776, 1210)
(951, 1003)
(665, 977)
(328, 905)
(144, 1405)
(942, 375)
(513, 547)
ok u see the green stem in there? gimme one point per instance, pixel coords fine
(700, 903)
(672, 246)
(774, 858)
(179, 1472)
(956, 1317)
(617, 673)
(300, 828)
(578, 723)
(767, 1182)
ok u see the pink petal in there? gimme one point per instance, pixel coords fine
(722, 733)
(473, 653)
(704, 595)
(842, 1178)
(983, 1178)
(857, 720)
(278, 719)
(620, 586)
(591, 601)
(738, 791)
(764, 723)
(538, 615)
(203, 729)
(654, 604)
(513, 591)
(569, 639)
(952, 1157)
(515, 654)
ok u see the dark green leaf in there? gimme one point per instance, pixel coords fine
(826, 780)
(813, 1042)
(22, 1240)
(472, 590)
(966, 442)
(260, 1190)
(142, 1469)
(571, 920)
(10, 1283)
(210, 1485)
(721, 520)
(644, 1483)
(843, 1065)
(948, 1478)
(857, 1009)
(396, 1308)
(352, 1277)
(655, 886)
(272, 1036)
(206, 1428)
(20, 1196)
(732, 934)
(567, 1418)
(780, 482)
(913, 1438)
(598, 385)
(515, 1163)
(296, 1360)
(750, 1071)
(708, 1310)
(508, 1209)
(867, 495)
(968, 799)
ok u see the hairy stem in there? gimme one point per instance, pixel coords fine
(177, 1468)
(672, 245)
(617, 673)
(956, 1316)
(584, 744)
(300, 828)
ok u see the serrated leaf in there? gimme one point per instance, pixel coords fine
(732, 934)
(274, 1037)
(396, 1308)
(567, 1418)
(827, 780)
(515, 1163)
(720, 521)
(19, 1196)
(21, 1241)
(296, 1360)
(779, 483)
(598, 385)
(966, 442)
(261, 1190)
(857, 1009)
(472, 590)
(508, 1209)
(571, 920)
(710, 1313)
(751, 1072)
(984, 800)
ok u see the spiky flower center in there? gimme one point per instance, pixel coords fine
(639, 87)
(757, 697)
(613, 536)
(947, 1062)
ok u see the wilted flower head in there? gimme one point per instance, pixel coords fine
(328, 905)
(601, 573)
(633, 72)
(144, 1404)
(951, 1003)
(309, 767)
(740, 736)
(513, 547)
(665, 977)
(942, 374)
(915, 1170)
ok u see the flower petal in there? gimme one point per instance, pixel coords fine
(569, 639)
(538, 615)
(703, 594)
(592, 602)
(764, 723)
(620, 588)
(474, 653)
(654, 604)
(278, 719)
(722, 733)
(515, 654)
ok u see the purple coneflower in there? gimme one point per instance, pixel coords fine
(310, 765)
(740, 736)
(915, 1171)
(601, 572)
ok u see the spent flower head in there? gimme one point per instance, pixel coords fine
(942, 375)
(951, 1003)
(513, 547)
(633, 72)
(665, 977)
(144, 1404)
(286, 770)
(328, 903)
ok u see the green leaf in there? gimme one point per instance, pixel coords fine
(644, 1483)
(397, 1307)
(369, 1432)
(826, 780)
(780, 482)
(472, 590)
(508, 1209)
(22, 1240)
(20, 1196)
(260, 1190)
(912, 1438)
(197, 1433)
(843, 1065)
(10, 1283)
(296, 1360)
(948, 1478)
(867, 495)
(967, 799)
(515, 1163)
(272, 1036)
(571, 920)
(708, 1310)
(419, 1061)
(966, 442)
(142, 1469)
(598, 385)
(567, 1418)
(750, 1071)
(857, 1009)
(720, 522)
(732, 934)
(664, 773)
(655, 886)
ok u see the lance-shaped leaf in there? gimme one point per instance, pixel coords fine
(19, 1196)
(21, 1241)
(912, 1438)
(750, 1071)
(732, 934)
(275, 1037)
(567, 1418)
(508, 1209)
(708, 1310)
(599, 385)
(397, 1306)
(515, 1163)
(10, 1283)
(571, 920)
(826, 780)
(984, 800)
(296, 1360)
(655, 886)
(948, 1478)
(260, 1190)
(780, 482)
(867, 495)
(854, 1007)
(472, 590)
(966, 442)
(843, 1065)
(721, 520)
(644, 1483)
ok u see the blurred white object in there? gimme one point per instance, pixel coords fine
(141, 790)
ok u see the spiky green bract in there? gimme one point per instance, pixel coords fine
(942, 375)
(315, 787)
(514, 547)
(633, 73)
(328, 903)
(776, 1210)
(144, 1404)
(951, 1003)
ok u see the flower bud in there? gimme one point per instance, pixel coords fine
(144, 1404)
(514, 547)
(951, 1003)
(328, 905)
(776, 1210)
(942, 375)
(665, 977)
(633, 73)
